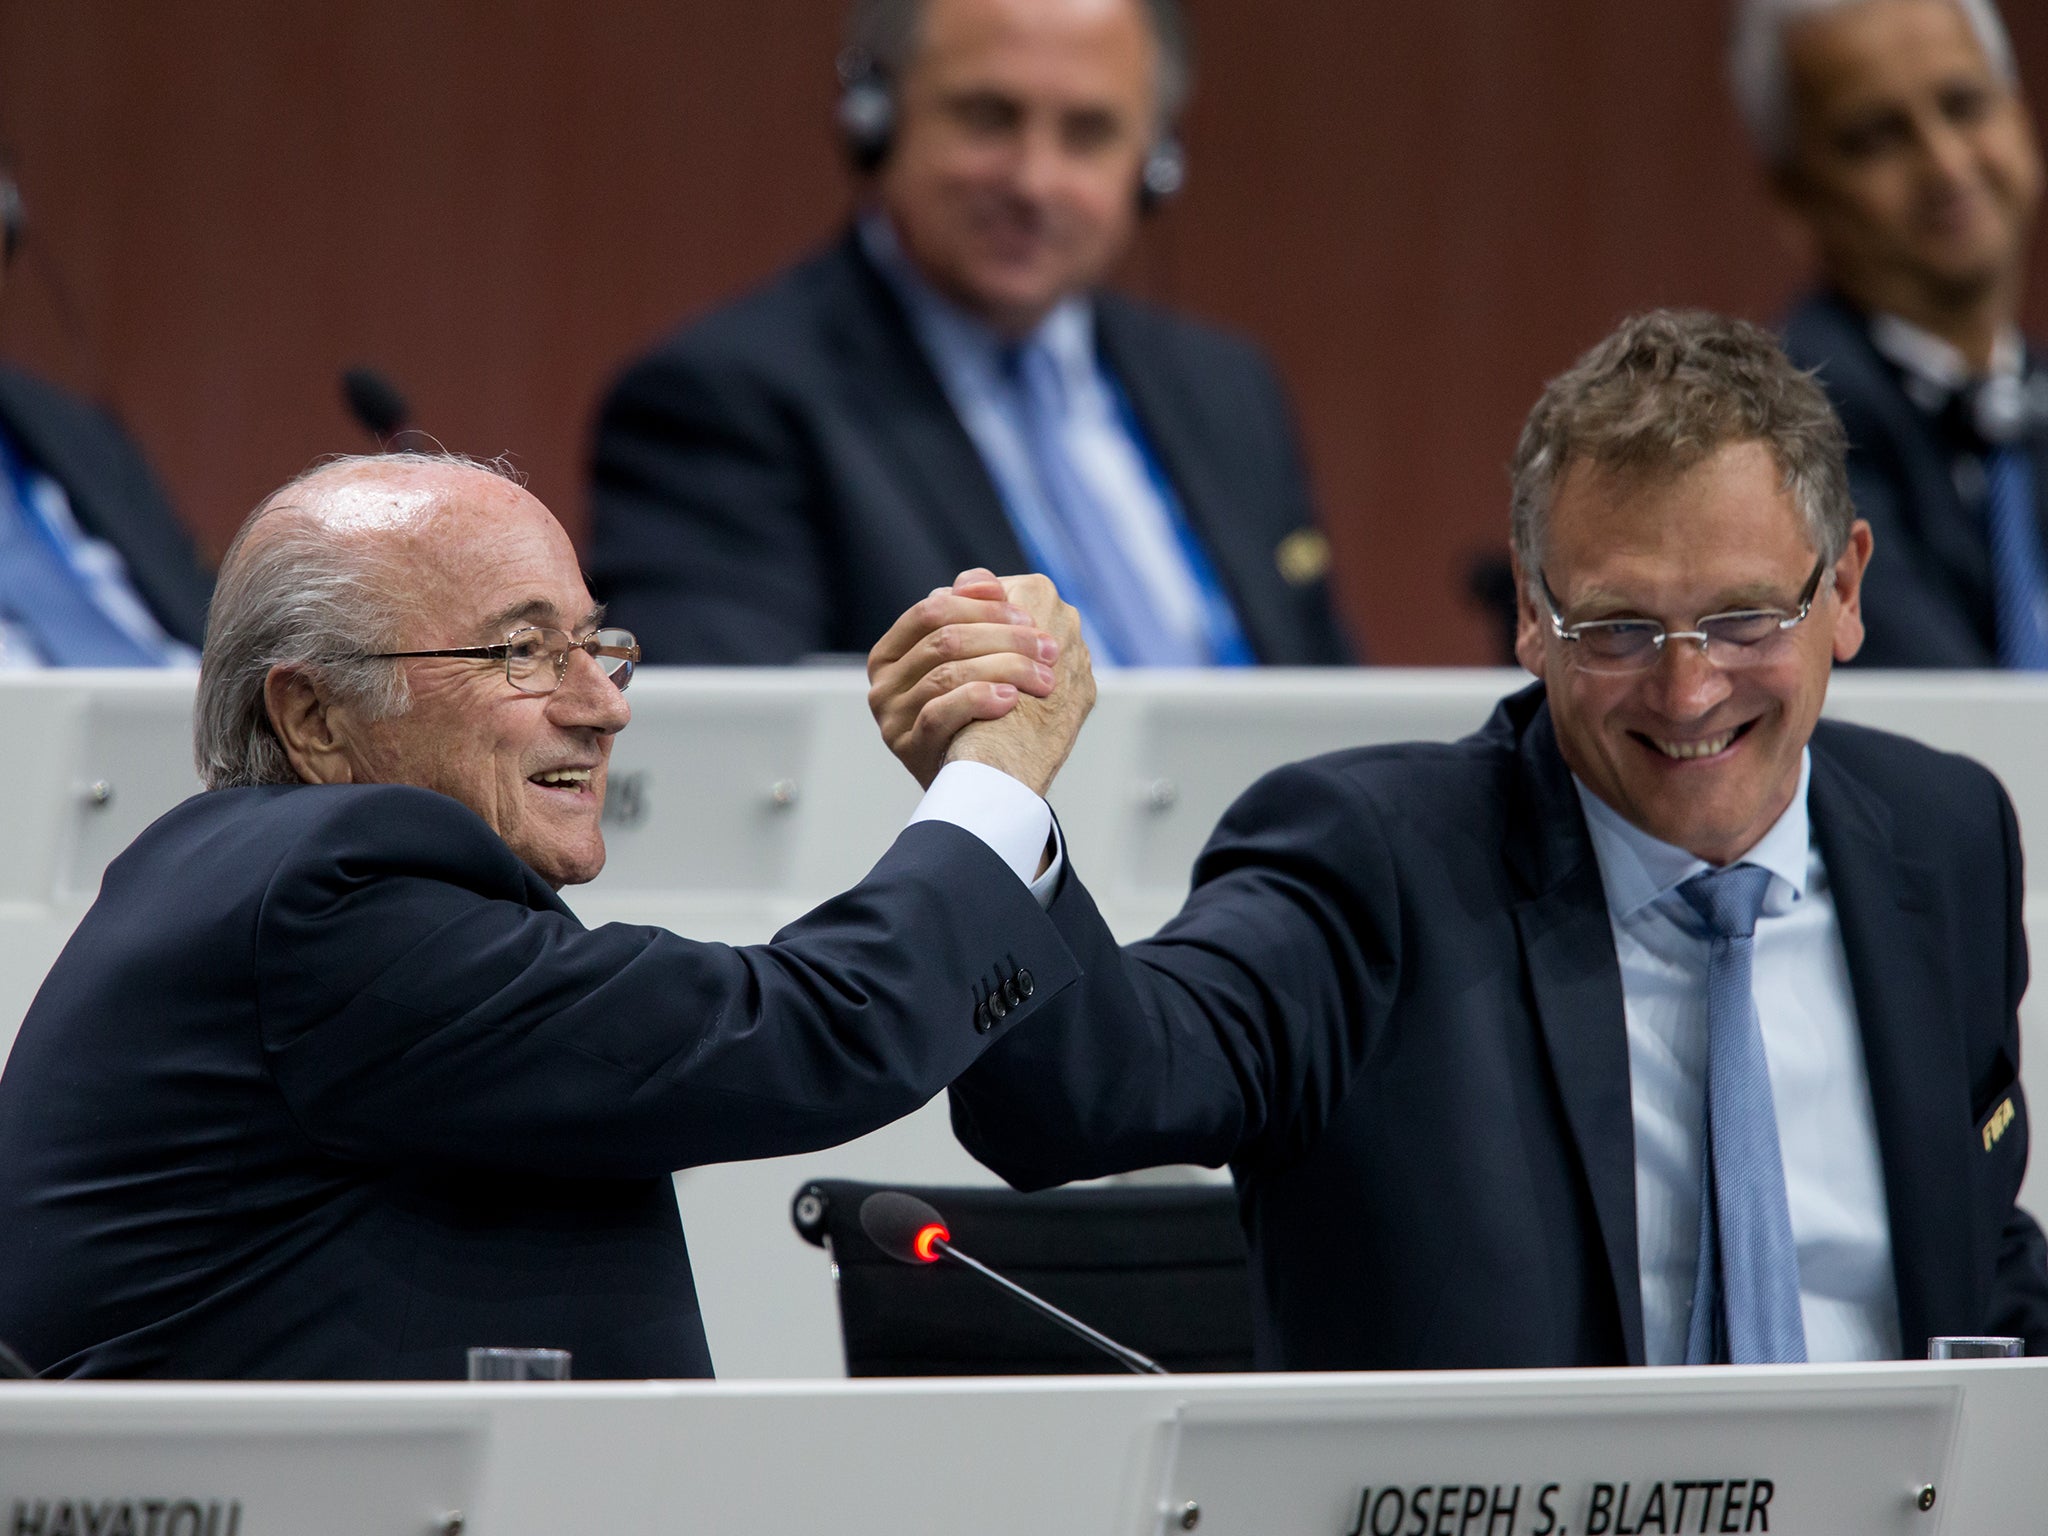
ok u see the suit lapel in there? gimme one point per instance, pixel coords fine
(1886, 910)
(891, 386)
(1237, 544)
(1925, 447)
(1568, 945)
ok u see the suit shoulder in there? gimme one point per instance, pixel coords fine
(1412, 784)
(1903, 772)
(342, 827)
(1829, 340)
(1182, 338)
(775, 328)
(28, 401)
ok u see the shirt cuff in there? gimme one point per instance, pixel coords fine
(1000, 811)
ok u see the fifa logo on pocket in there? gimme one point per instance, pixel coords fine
(1994, 1127)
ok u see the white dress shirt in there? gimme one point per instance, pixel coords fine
(1820, 1087)
(1011, 818)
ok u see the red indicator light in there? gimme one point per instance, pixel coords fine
(935, 1233)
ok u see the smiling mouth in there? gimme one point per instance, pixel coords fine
(1693, 751)
(575, 781)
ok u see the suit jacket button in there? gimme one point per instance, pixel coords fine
(1010, 993)
(982, 1022)
(1025, 985)
(996, 1006)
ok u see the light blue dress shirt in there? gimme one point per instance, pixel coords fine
(1097, 433)
(1820, 1087)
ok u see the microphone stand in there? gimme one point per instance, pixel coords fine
(1129, 1359)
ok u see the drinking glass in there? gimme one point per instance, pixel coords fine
(1973, 1347)
(518, 1365)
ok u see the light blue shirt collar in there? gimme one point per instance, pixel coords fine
(1637, 869)
(961, 344)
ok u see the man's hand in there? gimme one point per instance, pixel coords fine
(1031, 739)
(966, 653)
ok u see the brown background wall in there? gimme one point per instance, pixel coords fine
(1422, 208)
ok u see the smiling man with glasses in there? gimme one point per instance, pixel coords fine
(330, 1083)
(1659, 1021)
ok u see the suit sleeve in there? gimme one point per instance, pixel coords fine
(705, 536)
(413, 1012)
(1230, 1037)
(2020, 1284)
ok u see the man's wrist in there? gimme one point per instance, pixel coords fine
(996, 807)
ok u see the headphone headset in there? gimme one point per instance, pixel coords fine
(13, 218)
(867, 122)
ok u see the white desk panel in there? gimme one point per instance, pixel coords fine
(1075, 1455)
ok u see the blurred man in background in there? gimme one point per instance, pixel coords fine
(95, 569)
(946, 387)
(1900, 147)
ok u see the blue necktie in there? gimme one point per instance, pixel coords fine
(42, 595)
(1075, 542)
(2019, 571)
(1745, 1307)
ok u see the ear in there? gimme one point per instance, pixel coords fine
(1848, 585)
(307, 726)
(1530, 625)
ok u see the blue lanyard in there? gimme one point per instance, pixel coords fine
(1228, 646)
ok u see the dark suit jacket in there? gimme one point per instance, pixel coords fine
(330, 1084)
(787, 476)
(113, 495)
(1392, 1003)
(1918, 478)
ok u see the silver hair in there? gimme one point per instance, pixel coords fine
(1665, 392)
(291, 594)
(1761, 82)
(883, 34)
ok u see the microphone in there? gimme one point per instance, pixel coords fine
(906, 1228)
(375, 402)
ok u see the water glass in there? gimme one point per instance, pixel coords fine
(519, 1365)
(1973, 1347)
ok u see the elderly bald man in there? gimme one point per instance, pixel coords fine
(330, 1083)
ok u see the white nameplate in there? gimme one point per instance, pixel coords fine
(242, 1479)
(1597, 1463)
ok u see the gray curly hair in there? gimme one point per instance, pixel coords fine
(1666, 391)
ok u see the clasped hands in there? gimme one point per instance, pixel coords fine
(990, 670)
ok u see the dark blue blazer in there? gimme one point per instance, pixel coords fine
(786, 476)
(113, 495)
(330, 1084)
(1917, 478)
(1392, 1004)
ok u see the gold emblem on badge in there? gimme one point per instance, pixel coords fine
(1994, 1128)
(1303, 557)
